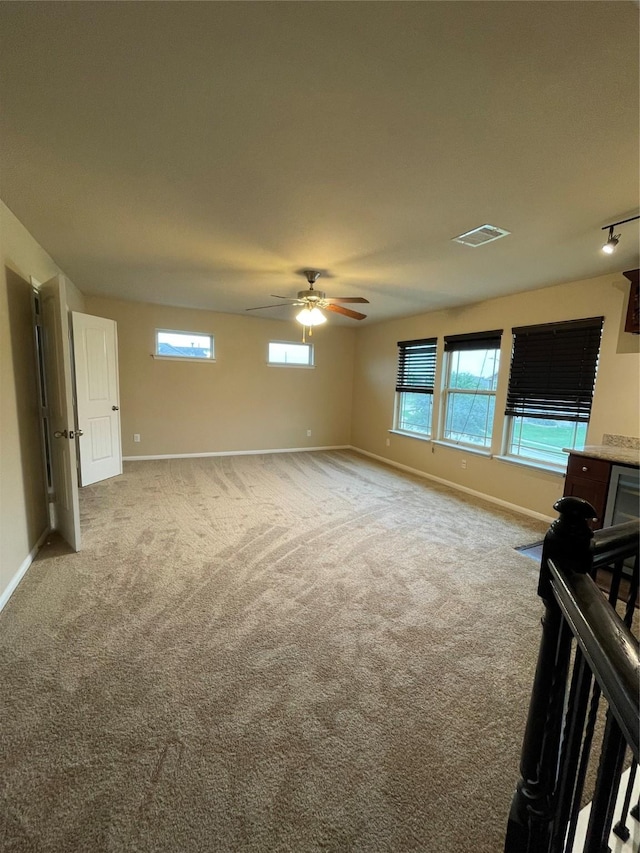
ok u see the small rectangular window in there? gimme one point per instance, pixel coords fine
(285, 353)
(190, 345)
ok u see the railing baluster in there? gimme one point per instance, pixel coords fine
(621, 829)
(616, 577)
(604, 798)
(584, 763)
(633, 594)
(572, 741)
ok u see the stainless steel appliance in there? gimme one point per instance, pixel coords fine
(623, 498)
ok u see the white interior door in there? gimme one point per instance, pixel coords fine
(95, 348)
(59, 386)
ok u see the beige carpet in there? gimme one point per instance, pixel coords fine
(289, 652)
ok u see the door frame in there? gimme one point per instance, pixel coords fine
(65, 371)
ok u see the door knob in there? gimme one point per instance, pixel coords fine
(79, 433)
(115, 408)
(61, 434)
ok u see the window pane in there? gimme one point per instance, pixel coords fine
(476, 370)
(415, 412)
(543, 439)
(184, 344)
(469, 418)
(288, 353)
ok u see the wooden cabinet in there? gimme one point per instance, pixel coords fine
(632, 323)
(588, 478)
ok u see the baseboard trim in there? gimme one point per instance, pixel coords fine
(15, 580)
(498, 501)
(235, 453)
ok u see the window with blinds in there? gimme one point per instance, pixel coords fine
(469, 395)
(414, 385)
(551, 385)
(417, 365)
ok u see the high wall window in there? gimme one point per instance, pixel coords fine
(414, 385)
(551, 384)
(189, 345)
(289, 354)
(469, 394)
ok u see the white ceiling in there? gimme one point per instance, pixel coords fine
(200, 154)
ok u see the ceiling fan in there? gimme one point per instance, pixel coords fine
(314, 302)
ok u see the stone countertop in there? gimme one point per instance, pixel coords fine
(610, 453)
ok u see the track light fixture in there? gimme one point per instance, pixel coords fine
(613, 239)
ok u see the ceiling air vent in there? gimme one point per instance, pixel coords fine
(480, 236)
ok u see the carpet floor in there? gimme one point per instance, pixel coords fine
(288, 652)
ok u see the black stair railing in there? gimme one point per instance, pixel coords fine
(587, 652)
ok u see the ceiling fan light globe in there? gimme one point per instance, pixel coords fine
(311, 317)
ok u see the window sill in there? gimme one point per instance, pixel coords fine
(549, 467)
(466, 448)
(411, 435)
(183, 358)
(303, 366)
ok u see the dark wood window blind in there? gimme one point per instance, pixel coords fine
(473, 340)
(553, 370)
(417, 366)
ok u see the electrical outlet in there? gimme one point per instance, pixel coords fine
(136, 436)
(388, 442)
(463, 463)
(308, 433)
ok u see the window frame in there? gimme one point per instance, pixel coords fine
(191, 358)
(310, 349)
(417, 365)
(489, 341)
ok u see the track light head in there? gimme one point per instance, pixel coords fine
(612, 242)
(613, 239)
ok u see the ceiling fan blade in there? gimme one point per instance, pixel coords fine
(348, 299)
(260, 307)
(355, 315)
(276, 296)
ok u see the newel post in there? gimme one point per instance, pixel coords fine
(567, 544)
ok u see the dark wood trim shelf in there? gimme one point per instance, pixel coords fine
(632, 322)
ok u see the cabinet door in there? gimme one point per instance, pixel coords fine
(593, 491)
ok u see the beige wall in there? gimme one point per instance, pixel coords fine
(616, 401)
(239, 403)
(236, 403)
(23, 504)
